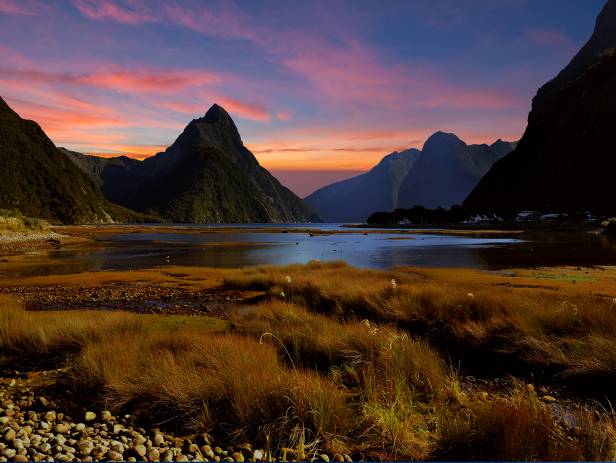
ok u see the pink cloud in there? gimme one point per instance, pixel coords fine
(134, 13)
(283, 115)
(236, 108)
(548, 37)
(249, 111)
(15, 7)
(135, 80)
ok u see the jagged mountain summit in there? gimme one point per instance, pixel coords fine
(206, 176)
(354, 199)
(39, 180)
(447, 170)
(565, 160)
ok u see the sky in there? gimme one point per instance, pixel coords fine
(319, 90)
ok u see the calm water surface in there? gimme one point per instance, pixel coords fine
(373, 250)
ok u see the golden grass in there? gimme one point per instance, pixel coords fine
(574, 333)
(46, 336)
(521, 427)
(337, 363)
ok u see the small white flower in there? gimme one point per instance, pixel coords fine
(288, 278)
(393, 283)
(282, 295)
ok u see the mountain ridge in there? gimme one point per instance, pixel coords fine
(563, 163)
(39, 180)
(206, 175)
(345, 201)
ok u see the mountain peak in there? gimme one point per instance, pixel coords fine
(441, 139)
(6, 112)
(215, 113)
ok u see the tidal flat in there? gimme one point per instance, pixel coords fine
(316, 361)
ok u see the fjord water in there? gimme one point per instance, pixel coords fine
(263, 244)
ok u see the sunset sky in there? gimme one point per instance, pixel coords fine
(319, 90)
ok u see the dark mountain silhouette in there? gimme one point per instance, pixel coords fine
(354, 199)
(39, 180)
(565, 161)
(447, 170)
(206, 176)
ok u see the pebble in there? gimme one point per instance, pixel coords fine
(63, 428)
(140, 450)
(114, 456)
(9, 435)
(43, 401)
(549, 398)
(90, 416)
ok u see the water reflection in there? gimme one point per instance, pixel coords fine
(382, 250)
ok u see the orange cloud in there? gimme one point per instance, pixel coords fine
(132, 151)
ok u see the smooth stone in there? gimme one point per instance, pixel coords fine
(63, 428)
(207, 451)
(153, 454)
(324, 457)
(90, 416)
(9, 435)
(257, 455)
(43, 401)
(9, 453)
(140, 450)
(238, 456)
(114, 456)
(106, 416)
(116, 446)
(158, 439)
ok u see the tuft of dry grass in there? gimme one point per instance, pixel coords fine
(48, 337)
(572, 335)
(395, 380)
(521, 427)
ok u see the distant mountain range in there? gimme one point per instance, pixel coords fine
(447, 171)
(353, 200)
(440, 175)
(565, 162)
(205, 176)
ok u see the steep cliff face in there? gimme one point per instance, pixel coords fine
(206, 176)
(447, 170)
(565, 161)
(353, 200)
(39, 180)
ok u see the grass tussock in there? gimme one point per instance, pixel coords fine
(337, 364)
(396, 381)
(573, 336)
(32, 337)
(14, 221)
(521, 427)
